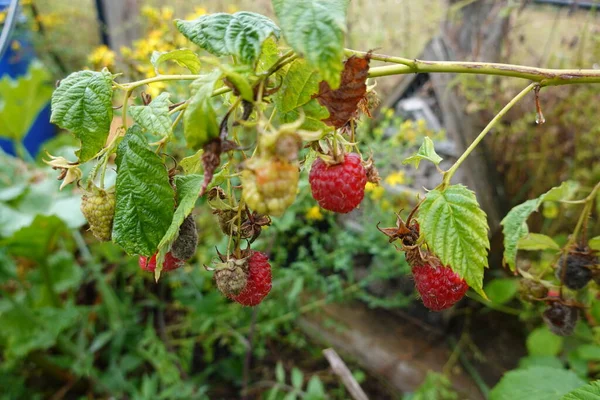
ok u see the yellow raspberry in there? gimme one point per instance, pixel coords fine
(98, 207)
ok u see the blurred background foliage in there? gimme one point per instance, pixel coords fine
(79, 319)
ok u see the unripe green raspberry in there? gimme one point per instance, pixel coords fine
(98, 207)
(269, 186)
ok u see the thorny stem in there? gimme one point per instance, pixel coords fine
(448, 174)
(543, 76)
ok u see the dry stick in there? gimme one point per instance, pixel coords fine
(340, 369)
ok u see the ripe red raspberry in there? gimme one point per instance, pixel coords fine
(259, 280)
(440, 288)
(340, 187)
(170, 263)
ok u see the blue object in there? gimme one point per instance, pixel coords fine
(15, 63)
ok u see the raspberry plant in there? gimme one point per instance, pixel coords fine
(264, 103)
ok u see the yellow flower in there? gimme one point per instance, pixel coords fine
(2, 17)
(198, 12)
(102, 56)
(395, 178)
(375, 191)
(232, 9)
(15, 45)
(314, 214)
(551, 210)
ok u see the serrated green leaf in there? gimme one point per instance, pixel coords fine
(183, 57)
(540, 361)
(515, 222)
(155, 116)
(425, 152)
(537, 241)
(300, 83)
(313, 114)
(536, 383)
(542, 342)
(269, 55)
(241, 34)
(500, 291)
(316, 29)
(594, 243)
(145, 198)
(21, 100)
(83, 104)
(587, 392)
(192, 164)
(188, 187)
(456, 230)
(200, 124)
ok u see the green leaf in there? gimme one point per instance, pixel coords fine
(83, 104)
(594, 243)
(297, 378)
(192, 164)
(239, 78)
(456, 230)
(145, 199)
(540, 361)
(589, 352)
(200, 124)
(500, 291)
(279, 373)
(315, 389)
(536, 383)
(537, 241)
(426, 152)
(269, 55)
(515, 222)
(300, 83)
(155, 116)
(188, 187)
(313, 114)
(21, 100)
(25, 330)
(316, 29)
(182, 57)
(542, 342)
(240, 34)
(36, 241)
(587, 392)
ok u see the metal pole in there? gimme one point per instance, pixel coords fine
(9, 25)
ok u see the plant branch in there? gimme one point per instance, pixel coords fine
(543, 76)
(448, 174)
(585, 214)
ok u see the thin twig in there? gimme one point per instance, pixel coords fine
(340, 369)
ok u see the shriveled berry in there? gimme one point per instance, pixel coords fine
(98, 207)
(170, 263)
(577, 273)
(269, 186)
(258, 285)
(440, 288)
(232, 279)
(184, 247)
(338, 187)
(560, 318)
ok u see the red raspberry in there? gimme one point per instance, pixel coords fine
(440, 288)
(170, 263)
(340, 187)
(259, 280)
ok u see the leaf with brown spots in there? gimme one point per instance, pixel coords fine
(342, 102)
